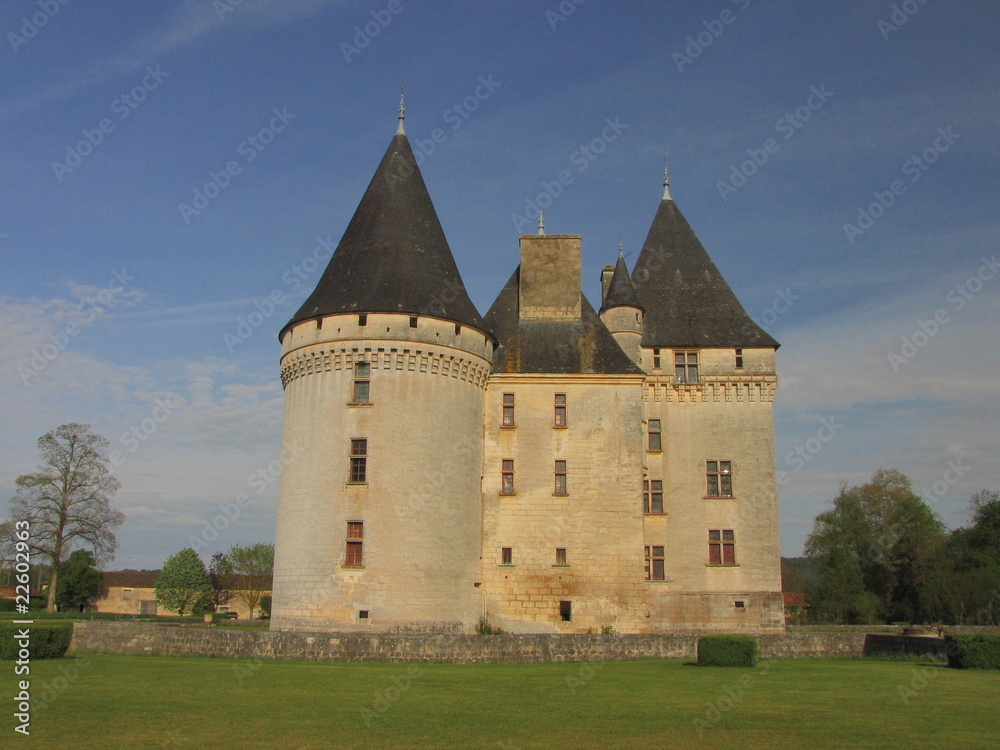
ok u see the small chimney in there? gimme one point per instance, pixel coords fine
(606, 274)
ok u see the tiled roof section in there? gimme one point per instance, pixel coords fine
(584, 346)
(130, 579)
(687, 302)
(393, 256)
(621, 292)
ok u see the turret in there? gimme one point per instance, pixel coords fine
(385, 368)
(621, 311)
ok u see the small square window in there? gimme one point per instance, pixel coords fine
(739, 605)
(458, 329)
(561, 556)
(566, 611)
(413, 321)
(363, 319)
(126, 595)
(506, 555)
(362, 614)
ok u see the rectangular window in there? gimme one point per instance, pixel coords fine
(126, 595)
(560, 410)
(508, 410)
(560, 477)
(652, 495)
(655, 442)
(739, 359)
(506, 555)
(655, 570)
(561, 556)
(720, 478)
(686, 367)
(413, 321)
(355, 537)
(362, 614)
(359, 460)
(566, 611)
(656, 359)
(362, 385)
(458, 329)
(363, 319)
(721, 547)
(507, 477)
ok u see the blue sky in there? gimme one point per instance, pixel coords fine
(785, 121)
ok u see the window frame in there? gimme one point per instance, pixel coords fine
(722, 548)
(739, 359)
(128, 595)
(651, 488)
(507, 404)
(507, 556)
(656, 359)
(719, 479)
(507, 486)
(562, 559)
(686, 362)
(658, 432)
(362, 379)
(560, 417)
(354, 545)
(653, 554)
(358, 461)
(560, 478)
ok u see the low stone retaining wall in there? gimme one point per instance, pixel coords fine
(138, 638)
(879, 644)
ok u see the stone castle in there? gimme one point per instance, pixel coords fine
(547, 467)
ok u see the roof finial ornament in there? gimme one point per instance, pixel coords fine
(666, 179)
(402, 110)
(621, 251)
(541, 223)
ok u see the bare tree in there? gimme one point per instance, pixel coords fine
(67, 501)
(247, 573)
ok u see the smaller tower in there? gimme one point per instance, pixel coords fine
(621, 311)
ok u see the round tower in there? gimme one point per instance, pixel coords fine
(621, 312)
(385, 369)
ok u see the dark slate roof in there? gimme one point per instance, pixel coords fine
(393, 256)
(130, 579)
(687, 302)
(621, 292)
(584, 346)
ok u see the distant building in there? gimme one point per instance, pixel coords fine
(551, 467)
(133, 593)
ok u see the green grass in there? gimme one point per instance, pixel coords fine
(188, 702)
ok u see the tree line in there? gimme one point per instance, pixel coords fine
(881, 554)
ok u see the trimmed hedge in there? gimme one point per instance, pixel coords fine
(48, 640)
(727, 651)
(978, 651)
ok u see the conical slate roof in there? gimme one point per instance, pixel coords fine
(393, 256)
(544, 346)
(621, 292)
(687, 302)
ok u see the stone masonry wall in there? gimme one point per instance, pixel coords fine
(140, 638)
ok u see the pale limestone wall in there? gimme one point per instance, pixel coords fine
(421, 504)
(114, 601)
(599, 522)
(726, 416)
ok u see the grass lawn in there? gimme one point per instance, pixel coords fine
(185, 702)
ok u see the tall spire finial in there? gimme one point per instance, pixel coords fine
(402, 110)
(666, 179)
(621, 251)
(541, 223)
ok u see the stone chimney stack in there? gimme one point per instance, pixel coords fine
(550, 277)
(606, 274)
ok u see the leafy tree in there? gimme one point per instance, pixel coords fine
(886, 532)
(183, 585)
(79, 581)
(220, 594)
(247, 572)
(67, 501)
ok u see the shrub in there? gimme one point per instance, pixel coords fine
(485, 628)
(265, 608)
(47, 641)
(7, 605)
(727, 651)
(979, 651)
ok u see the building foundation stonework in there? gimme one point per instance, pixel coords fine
(547, 467)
